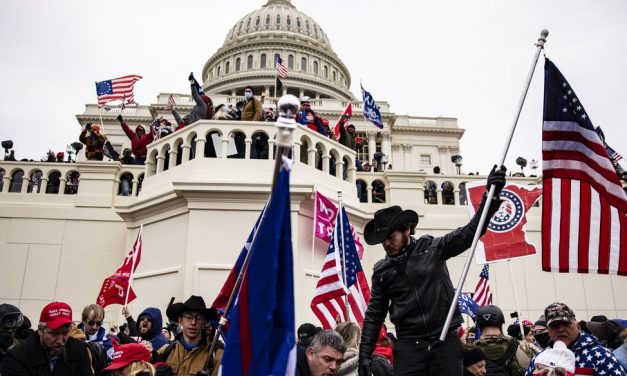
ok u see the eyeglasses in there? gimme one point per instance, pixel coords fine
(144, 318)
(92, 322)
(191, 317)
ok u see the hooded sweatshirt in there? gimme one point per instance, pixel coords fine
(138, 145)
(155, 336)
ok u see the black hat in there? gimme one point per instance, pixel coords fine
(306, 330)
(387, 221)
(472, 356)
(194, 303)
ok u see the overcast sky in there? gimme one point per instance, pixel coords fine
(464, 59)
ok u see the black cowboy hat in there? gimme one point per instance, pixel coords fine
(194, 303)
(386, 221)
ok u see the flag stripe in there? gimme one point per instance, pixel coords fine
(585, 205)
(604, 237)
(547, 210)
(573, 238)
(564, 226)
(555, 224)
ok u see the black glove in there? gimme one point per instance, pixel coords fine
(365, 367)
(191, 76)
(496, 178)
(120, 119)
(88, 126)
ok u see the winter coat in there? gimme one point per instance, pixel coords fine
(591, 358)
(350, 365)
(347, 139)
(315, 125)
(100, 337)
(138, 145)
(302, 366)
(94, 144)
(30, 359)
(185, 363)
(252, 110)
(417, 290)
(202, 110)
(155, 336)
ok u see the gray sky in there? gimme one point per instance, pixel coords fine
(464, 59)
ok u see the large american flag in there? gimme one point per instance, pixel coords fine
(584, 213)
(482, 295)
(120, 88)
(281, 68)
(328, 303)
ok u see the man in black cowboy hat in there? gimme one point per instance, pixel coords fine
(189, 353)
(412, 283)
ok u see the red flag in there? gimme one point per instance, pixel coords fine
(115, 287)
(343, 120)
(324, 222)
(505, 237)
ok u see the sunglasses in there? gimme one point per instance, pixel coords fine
(92, 322)
(145, 318)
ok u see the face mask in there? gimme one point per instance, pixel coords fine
(543, 339)
(248, 95)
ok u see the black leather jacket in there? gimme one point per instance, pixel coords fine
(417, 292)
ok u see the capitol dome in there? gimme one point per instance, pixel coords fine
(248, 53)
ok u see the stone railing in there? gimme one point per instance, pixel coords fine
(421, 121)
(247, 140)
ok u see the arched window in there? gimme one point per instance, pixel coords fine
(258, 21)
(16, 181)
(290, 62)
(463, 200)
(316, 68)
(278, 19)
(289, 21)
(378, 192)
(362, 190)
(227, 67)
(218, 72)
(326, 71)
(238, 63)
(307, 25)
(248, 23)
(303, 64)
(334, 76)
(249, 62)
(268, 19)
(262, 61)
(430, 189)
(126, 184)
(298, 23)
(448, 197)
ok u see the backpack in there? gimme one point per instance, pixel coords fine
(98, 357)
(501, 356)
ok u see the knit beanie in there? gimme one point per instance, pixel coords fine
(558, 356)
(473, 356)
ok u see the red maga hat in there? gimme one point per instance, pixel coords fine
(56, 314)
(127, 354)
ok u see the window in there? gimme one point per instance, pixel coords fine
(278, 19)
(262, 61)
(249, 62)
(334, 76)
(326, 72)
(258, 21)
(227, 67)
(268, 19)
(238, 63)
(298, 23)
(248, 24)
(218, 71)
(289, 21)
(316, 68)
(425, 160)
(303, 64)
(290, 62)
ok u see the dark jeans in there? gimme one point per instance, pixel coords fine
(433, 358)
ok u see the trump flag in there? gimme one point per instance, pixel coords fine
(262, 334)
(324, 222)
(506, 235)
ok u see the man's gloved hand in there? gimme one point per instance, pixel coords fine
(120, 118)
(365, 367)
(496, 178)
(191, 76)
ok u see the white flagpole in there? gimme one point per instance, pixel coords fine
(139, 241)
(338, 217)
(539, 47)
(511, 277)
(313, 233)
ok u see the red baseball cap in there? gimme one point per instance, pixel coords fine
(126, 354)
(56, 314)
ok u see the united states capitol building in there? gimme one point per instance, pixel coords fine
(64, 227)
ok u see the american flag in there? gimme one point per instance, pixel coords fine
(584, 213)
(614, 156)
(328, 303)
(171, 102)
(116, 89)
(281, 68)
(482, 295)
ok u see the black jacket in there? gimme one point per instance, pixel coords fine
(30, 359)
(417, 291)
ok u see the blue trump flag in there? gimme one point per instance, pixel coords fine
(371, 110)
(467, 306)
(262, 335)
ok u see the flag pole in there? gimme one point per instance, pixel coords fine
(539, 47)
(313, 233)
(511, 277)
(130, 279)
(288, 108)
(340, 218)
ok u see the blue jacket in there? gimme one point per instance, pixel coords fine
(100, 337)
(155, 336)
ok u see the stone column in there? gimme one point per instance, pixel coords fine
(149, 166)
(267, 90)
(25, 181)
(160, 163)
(399, 165)
(369, 193)
(438, 191)
(325, 163)
(407, 156)
(456, 196)
(296, 155)
(444, 163)
(62, 182)
(186, 149)
(6, 183)
(339, 169)
(200, 147)
(385, 146)
(233, 93)
(134, 187)
(301, 93)
(173, 154)
(43, 184)
(249, 144)
(311, 157)
(372, 145)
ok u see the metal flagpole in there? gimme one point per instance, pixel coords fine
(539, 47)
(130, 279)
(288, 108)
(313, 233)
(511, 277)
(338, 217)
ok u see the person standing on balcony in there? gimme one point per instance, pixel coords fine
(307, 117)
(204, 106)
(94, 142)
(348, 136)
(139, 140)
(412, 283)
(253, 109)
